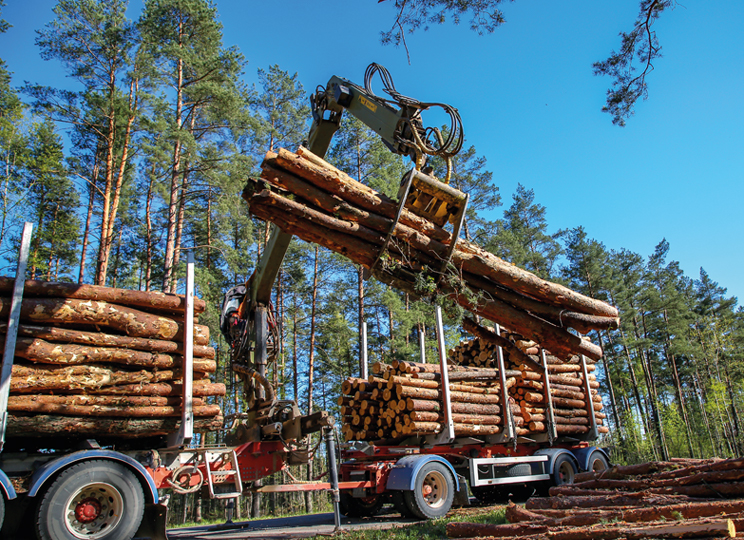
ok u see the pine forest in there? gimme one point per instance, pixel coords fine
(147, 159)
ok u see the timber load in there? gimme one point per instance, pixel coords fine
(307, 197)
(681, 498)
(404, 399)
(95, 361)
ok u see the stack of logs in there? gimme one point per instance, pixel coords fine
(305, 196)
(675, 499)
(567, 386)
(96, 361)
(404, 399)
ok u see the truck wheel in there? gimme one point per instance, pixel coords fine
(96, 500)
(360, 507)
(433, 491)
(564, 470)
(598, 462)
(2, 510)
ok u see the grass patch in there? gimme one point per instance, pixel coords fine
(430, 530)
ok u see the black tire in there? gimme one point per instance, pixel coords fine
(97, 499)
(360, 507)
(2, 510)
(400, 504)
(433, 492)
(564, 470)
(598, 462)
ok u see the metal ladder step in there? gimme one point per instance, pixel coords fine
(224, 482)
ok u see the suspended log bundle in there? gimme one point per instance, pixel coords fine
(96, 361)
(305, 196)
(675, 499)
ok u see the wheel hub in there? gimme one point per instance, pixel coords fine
(87, 510)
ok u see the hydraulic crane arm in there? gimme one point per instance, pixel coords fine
(397, 120)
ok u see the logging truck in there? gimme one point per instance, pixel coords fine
(111, 487)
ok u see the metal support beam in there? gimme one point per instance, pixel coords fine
(333, 472)
(363, 367)
(552, 433)
(506, 409)
(12, 333)
(448, 433)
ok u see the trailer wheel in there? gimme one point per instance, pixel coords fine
(598, 462)
(433, 492)
(96, 500)
(360, 507)
(564, 470)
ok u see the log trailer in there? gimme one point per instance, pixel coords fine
(421, 476)
(70, 487)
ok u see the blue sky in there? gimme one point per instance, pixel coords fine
(532, 107)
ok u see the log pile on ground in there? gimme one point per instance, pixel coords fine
(675, 499)
(95, 361)
(571, 413)
(305, 196)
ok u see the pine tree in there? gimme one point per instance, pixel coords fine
(521, 237)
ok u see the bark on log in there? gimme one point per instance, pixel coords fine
(612, 499)
(130, 321)
(17, 403)
(464, 408)
(46, 425)
(144, 299)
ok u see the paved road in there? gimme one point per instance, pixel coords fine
(280, 528)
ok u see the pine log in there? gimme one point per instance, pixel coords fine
(144, 299)
(40, 351)
(99, 339)
(425, 393)
(690, 510)
(17, 403)
(640, 498)
(515, 354)
(490, 420)
(139, 411)
(46, 425)
(69, 310)
(201, 388)
(715, 527)
(705, 477)
(464, 408)
(461, 430)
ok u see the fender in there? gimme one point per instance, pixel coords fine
(403, 475)
(553, 454)
(46, 471)
(582, 455)
(6, 487)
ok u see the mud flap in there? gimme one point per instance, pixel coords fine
(154, 523)
(461, 495)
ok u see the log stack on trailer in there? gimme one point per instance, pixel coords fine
(104, 362)
(683, 498)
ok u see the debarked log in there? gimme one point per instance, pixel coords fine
(46, 425)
